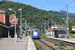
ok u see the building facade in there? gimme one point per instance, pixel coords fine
(73, 28)
(6, 23)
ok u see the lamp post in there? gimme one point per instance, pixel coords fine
(15, 25)
(20, 22)
(25, 27)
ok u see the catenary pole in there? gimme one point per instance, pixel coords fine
(15, 28)
(67, 23)
(21, 23)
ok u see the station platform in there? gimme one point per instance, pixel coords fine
(71, 40)
(30, 45)
(25, 43)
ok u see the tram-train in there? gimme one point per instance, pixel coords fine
(35, 33)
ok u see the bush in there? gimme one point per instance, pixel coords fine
(61, 43)
(56, 44)
(43, 35)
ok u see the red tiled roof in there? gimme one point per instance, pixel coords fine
(1, 10)
(50, 29)
(73, 26)
(57, 25)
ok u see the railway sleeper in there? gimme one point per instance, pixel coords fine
(50, 44)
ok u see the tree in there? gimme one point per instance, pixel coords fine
(5, 0)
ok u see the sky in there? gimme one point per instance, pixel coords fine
(54, 5)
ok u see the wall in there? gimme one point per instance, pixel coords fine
(7, 20)
(12, 19)
(73, 29)
(3, 32)
(1, 18)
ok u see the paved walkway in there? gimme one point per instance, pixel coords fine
(9, 44)
(72, 40)
(31, 45)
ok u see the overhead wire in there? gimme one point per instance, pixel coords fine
(44, 4)
(71, 2)
(68, 4)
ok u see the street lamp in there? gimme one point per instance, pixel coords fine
(15, 24)
(20, 22)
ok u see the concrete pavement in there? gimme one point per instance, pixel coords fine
(9, 44)
(26, 43)
(31, 45)
(72, 40)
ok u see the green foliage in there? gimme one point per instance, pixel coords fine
(37, 47)
(61, 43)
(72, 37)
(56, 44)
(32, 14)
(66, 49)
(49, 38)
(72, 31)
(63, 15)
(47, 45)
(74, 47)
(5, 0)
(43, 35)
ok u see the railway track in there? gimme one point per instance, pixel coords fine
(45, 45)
(67, 44)
(49, 44)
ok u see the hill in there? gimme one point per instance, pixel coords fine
(30, 13)
(72, 14)
(63, 14)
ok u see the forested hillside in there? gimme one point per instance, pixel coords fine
(62, 14)
(30, 13)
(36, 17)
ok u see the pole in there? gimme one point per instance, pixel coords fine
(62, 24)
(25, 26)
(48, 24)
(51, 23)
(15, 28)
(41, 26)
(28, 28)
(51, 26)
(20, 23)
(45, 27)
(8, 33)
(67, 23)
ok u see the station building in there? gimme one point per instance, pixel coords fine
(6, 24)
(73, 28)
(57, 30)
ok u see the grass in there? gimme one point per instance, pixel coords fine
(66, 49)
(49, 38)
(61, 43)
(43, 39)
(74, 47)
(47, 45)
(56, 44)
(72, 36)
(43, 35)
(37, 47)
